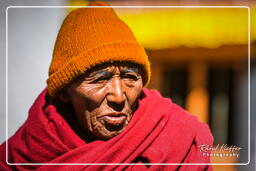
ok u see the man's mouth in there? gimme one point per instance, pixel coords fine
(114, 121)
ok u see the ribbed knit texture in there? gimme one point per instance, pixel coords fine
(89, 37)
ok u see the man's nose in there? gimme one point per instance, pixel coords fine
(116, 96)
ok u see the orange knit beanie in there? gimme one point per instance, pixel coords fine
(89, 37)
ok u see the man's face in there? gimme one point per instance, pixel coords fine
(105, 99)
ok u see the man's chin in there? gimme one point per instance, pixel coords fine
(106, 129)
(108, 133)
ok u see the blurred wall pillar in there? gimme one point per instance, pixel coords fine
(197, 101)
(156, 74)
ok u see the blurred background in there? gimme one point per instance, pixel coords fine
(199, 58)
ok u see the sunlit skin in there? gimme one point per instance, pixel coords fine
(105, 99)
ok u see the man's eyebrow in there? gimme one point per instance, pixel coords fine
(126, 70)
(102, 72)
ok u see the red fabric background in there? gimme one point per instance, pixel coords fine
(159, 132)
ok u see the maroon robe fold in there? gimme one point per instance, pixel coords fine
(159, 132)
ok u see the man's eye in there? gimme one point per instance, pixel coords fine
(100, 79)
(130, 76)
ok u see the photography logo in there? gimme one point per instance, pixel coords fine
(219, 150)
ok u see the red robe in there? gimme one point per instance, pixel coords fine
(159, 132)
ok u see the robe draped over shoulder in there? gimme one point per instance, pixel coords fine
(159, 132)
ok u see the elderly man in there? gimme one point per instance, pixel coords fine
(96, 111)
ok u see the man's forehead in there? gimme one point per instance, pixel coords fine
(113, 67)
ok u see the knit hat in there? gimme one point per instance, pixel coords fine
(92, 36)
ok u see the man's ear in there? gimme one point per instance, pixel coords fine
(63, 96)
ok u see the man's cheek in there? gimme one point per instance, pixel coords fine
(89, 120)
(133, 94)
(94, 100)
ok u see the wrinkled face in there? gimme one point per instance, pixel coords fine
(105, 99)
